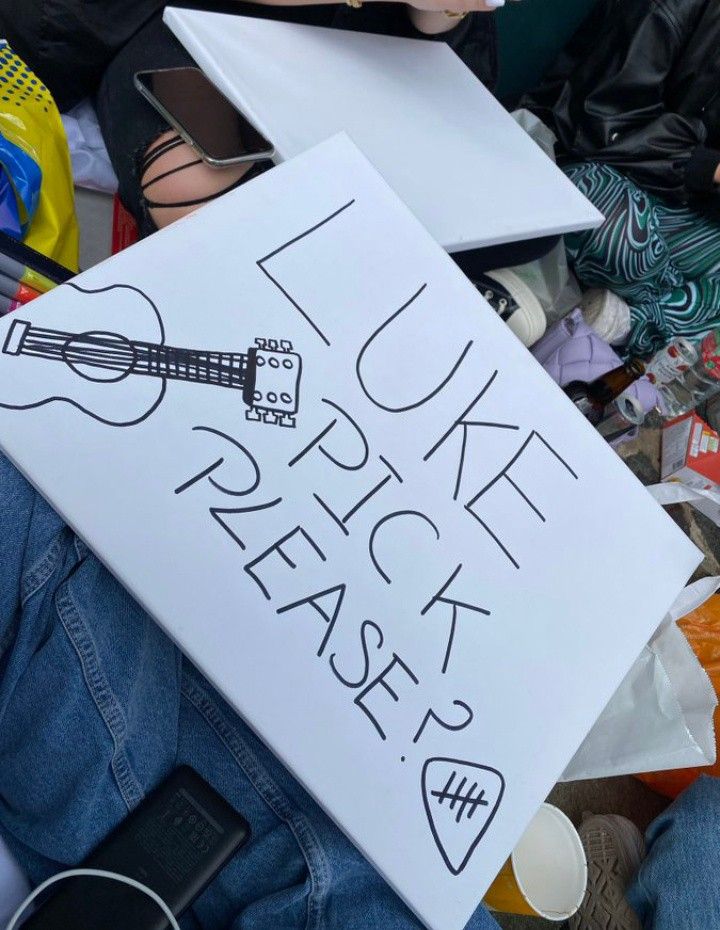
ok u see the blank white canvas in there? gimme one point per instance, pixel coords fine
(556, 579)
(433, 131)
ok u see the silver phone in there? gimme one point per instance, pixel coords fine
(203, 116)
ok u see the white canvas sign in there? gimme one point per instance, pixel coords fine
(295, 431)
(440, 139)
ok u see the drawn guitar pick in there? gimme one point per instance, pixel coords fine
(461, 800)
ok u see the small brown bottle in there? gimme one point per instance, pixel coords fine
(591, 398)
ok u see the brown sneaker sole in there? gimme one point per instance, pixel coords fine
(614, 849)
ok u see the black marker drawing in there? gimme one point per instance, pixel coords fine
(505, 473)
(341, 522)
(277, 549)
(97, 363)
(403, 408)
(442, 597)
(366, 625)
(445, 724)
(381, 681)
(266, 258)
(354, 466)
(217, 513)
(336, 594)
(463, 423)
(208, 471)
(386, 519)
(461, 800)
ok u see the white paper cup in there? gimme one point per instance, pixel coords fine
(546, 875)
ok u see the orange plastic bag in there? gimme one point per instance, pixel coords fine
(702, 628)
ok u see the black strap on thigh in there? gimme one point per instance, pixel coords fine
(257, 168)
(149, 158)
(166, 174)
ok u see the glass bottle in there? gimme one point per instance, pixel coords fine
(686, 374)
(591, 398)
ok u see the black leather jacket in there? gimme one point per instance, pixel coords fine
(638, 88)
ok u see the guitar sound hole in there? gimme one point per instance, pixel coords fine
(98, 356)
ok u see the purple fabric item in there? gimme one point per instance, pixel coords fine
(571, 351)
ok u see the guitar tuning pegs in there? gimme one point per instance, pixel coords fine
(270, 416)
(274, 345)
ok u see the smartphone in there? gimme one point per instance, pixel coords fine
(174, 842)
(204, 117)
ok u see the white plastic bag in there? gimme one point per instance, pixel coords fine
(90, 160)
(549, 277)
(661, 716)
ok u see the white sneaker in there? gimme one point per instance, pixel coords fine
(614, 848)
(607, 314)
(514, 302)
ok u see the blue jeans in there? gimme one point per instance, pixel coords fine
(677, 887)
(97, 706)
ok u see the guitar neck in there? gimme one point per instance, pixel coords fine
(109, 352)
(225, 369)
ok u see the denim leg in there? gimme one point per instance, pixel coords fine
(677, 885)
(97, 706)
(87, 716)
(28, 531)
(336, 888)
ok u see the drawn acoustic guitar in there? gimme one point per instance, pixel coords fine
(92, 367)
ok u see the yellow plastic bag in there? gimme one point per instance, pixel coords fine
(29, 119)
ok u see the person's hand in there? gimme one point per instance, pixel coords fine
(716, 177)
(457, 6)
(434, 17)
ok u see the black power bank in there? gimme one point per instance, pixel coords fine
(174, 842)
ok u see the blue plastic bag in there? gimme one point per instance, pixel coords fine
(9, 216)
(25, 179)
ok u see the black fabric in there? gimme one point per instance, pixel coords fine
(70, 43)
(700, 170)
(128, 122)
(638, 88)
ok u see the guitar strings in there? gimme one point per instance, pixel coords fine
(113, 354)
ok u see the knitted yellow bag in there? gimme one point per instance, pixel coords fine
(30, 126)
